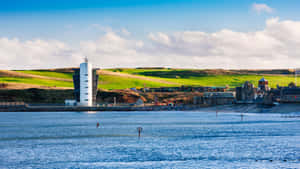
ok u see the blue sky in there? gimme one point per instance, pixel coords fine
(65, 18)
(74, 22)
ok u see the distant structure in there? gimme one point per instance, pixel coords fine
(290, 94)
(184, 89)
(246, 93)
(263, 85)
(218, 98)
(85, 82)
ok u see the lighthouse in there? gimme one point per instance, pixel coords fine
(85, 84)
(86, 89)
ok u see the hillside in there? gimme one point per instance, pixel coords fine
(140, 77)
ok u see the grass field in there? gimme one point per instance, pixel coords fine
(207, 78)
(36, 81)
(117, 82)
(47, 73)
(173, 77)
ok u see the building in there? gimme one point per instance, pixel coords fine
(218, 98)
(246, 93)
(263, 85)
(290, 94)
(85, 81)
(185, 89)
(69, 102)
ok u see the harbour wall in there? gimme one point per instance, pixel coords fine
(242, 108)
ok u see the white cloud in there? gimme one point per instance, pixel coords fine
(276, 46)
(260, 8)
(125, 32)
(112, 50)
(16, 54)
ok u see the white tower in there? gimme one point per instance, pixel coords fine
(86, 87)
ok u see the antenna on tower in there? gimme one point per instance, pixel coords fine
(86, 59)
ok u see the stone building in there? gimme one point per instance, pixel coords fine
(290, 95)
(246, 93)
(218, 98)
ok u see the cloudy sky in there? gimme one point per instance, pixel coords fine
(133, 33)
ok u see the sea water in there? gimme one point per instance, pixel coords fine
(173, 139)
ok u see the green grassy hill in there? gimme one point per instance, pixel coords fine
(47, 73)
(149, 77)
(214, 77)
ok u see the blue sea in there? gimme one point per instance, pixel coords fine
(173, 139)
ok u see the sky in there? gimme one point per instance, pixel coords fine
(229, 34)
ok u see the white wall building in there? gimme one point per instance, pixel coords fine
(86, 84)
(69, 102)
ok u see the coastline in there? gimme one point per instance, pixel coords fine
(255, 108)
(243, 108)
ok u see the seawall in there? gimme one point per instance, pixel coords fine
(112, 108)
(250, 108)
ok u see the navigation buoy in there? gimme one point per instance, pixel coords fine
(139, 129)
